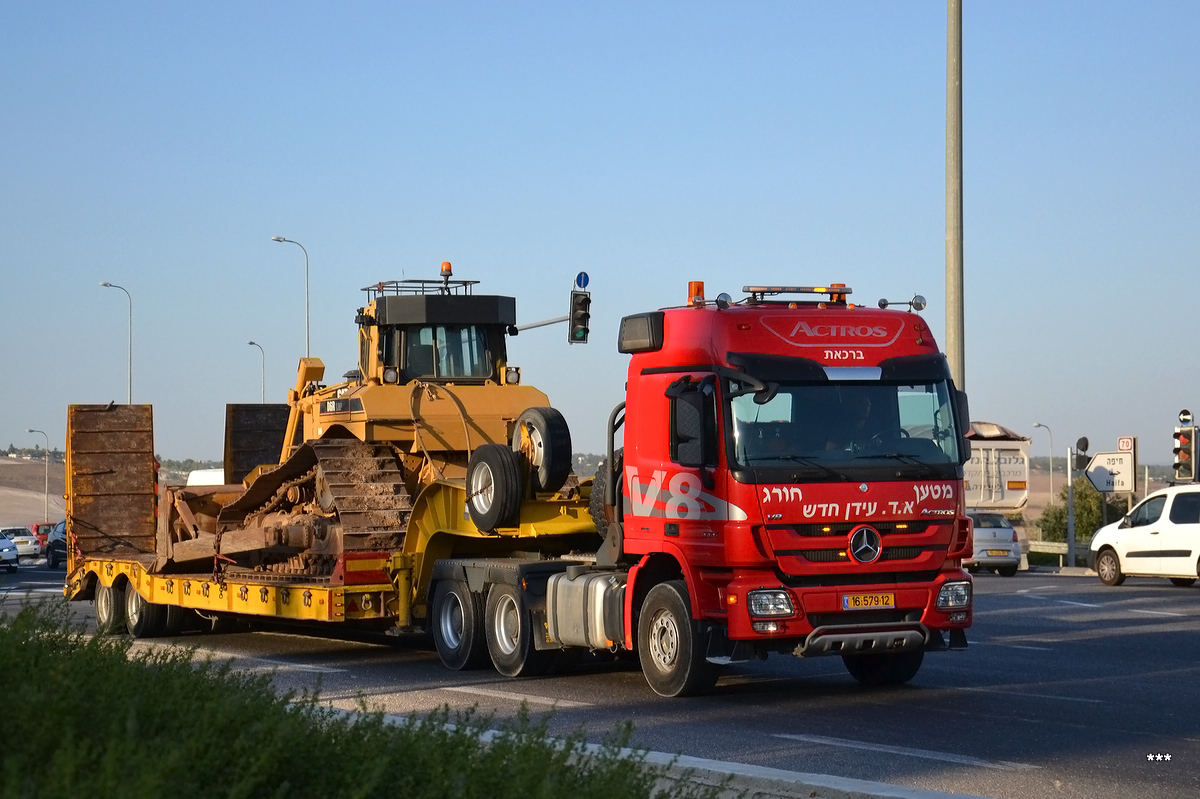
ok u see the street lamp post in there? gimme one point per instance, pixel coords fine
(1047, 429)
(108, 285)
(46, 509)
(301, 246)
(264, 369)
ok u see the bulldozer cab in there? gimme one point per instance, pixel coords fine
(433, 330)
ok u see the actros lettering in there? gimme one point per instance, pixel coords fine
(844, 331)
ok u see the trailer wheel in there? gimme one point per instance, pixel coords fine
(494, 487)
(110, 609)
(893, 668)
(458, 626)
(603, 516)
(173, 621)
(509, 630)
(669, 644)
(549, 452)
(143, 619)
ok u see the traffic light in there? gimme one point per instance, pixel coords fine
(577, 321)
(1185, 454)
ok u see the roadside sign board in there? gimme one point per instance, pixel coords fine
(1112, 472)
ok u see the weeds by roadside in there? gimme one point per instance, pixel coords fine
(86, 716)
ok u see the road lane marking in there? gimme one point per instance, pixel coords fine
(1037, 588)
(1156, 612)
(1078, 604)
(281, 665)
(1013, 646)
(1032, 696)
(515, 697)
(947, 757)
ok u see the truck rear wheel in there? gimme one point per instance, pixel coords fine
(143, 619)
(509, 631)
(458, 626)
(494, 487)
(669, 646)
(549, 446)
(892, 668)
(110, 609)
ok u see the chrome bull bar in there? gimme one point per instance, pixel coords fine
(860, 639)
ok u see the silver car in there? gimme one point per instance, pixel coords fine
(8, 553)
(997, 546)
(27, 543)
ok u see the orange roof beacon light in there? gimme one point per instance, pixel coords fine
(696, 293)
(446, 270)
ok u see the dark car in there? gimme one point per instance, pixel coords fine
(56, 545)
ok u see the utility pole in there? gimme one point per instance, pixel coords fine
(955, 330)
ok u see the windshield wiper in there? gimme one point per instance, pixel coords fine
(909, 459)
(801, 460)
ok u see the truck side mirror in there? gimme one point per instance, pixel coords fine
(964, 423)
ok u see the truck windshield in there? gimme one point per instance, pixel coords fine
(840, 425)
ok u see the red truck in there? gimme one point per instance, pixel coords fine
(791, 482)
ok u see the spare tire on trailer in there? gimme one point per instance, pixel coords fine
(603, 516)
(494, 487)
(548, 449)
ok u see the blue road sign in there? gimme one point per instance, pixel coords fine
(581, 280)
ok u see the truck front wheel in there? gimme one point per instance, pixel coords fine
(895, 668)
(110, 609)
(510, 634)
(669, 645)
(458, 626)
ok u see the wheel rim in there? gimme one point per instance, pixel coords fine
(507, 623)
(537, 447)
(483, 488)
(133, 606)
(104, 604)
(451, 621)
(1107, 567)
(664, 641)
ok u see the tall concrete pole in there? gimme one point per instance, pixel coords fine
(954, 193)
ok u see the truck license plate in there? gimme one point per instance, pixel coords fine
(868, 601)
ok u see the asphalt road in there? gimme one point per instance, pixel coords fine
(1069, 689)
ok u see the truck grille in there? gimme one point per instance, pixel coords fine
(840, 556)
(844, 528)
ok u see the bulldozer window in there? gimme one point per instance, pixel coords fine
(447, 351)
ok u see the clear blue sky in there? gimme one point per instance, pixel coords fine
(160, 145)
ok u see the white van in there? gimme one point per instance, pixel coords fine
(1158, 538)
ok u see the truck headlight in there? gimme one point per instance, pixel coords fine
(954, 595)
(769, 603)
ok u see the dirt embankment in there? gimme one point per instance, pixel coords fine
(23, 495)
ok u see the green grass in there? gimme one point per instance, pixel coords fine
(84, 716)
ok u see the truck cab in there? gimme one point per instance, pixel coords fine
(797, 465)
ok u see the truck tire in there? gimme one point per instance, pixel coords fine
(894, 668)
(670, 647)
(603, 516)
(110, 609)
(509, 631)
(174, 620)
(457, 623)
(1108, 567)
(143, 619)
(494, 487)
(550, 447)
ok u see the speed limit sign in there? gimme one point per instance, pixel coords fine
(1125, 444)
